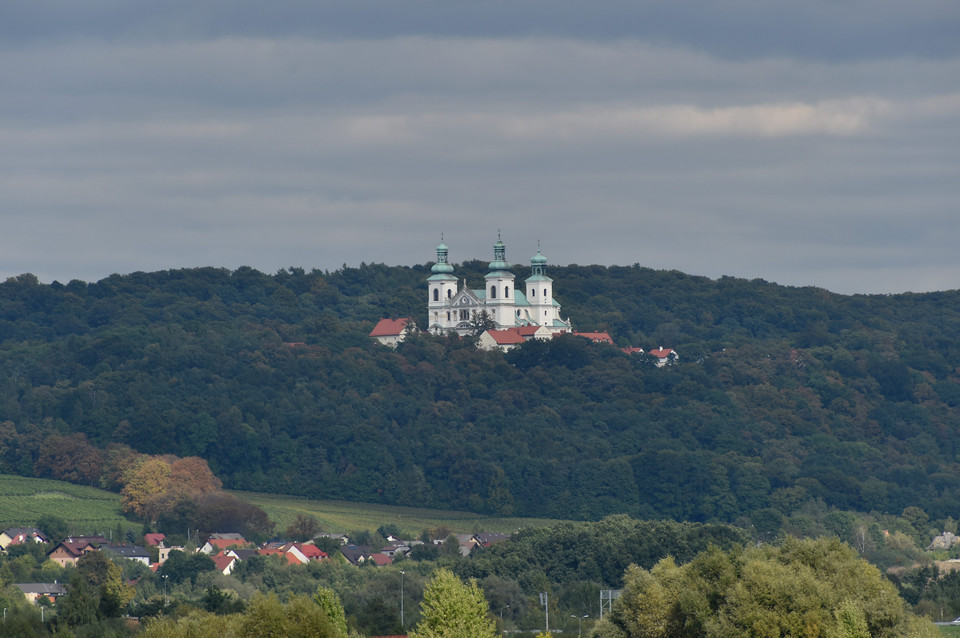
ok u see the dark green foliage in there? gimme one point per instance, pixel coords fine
(180, 566)
(273, 380)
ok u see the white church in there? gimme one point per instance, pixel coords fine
(452, 306)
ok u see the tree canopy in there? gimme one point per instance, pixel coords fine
(810, 588)
(453, 609)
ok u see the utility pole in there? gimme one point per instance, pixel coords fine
(401, 600)
(545, 601)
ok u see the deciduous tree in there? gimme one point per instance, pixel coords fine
(452, 609)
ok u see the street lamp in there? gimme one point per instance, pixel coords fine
(579, 618)
(401, 599)
(165, 577)
(501, 613)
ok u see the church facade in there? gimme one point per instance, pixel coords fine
(453, 307)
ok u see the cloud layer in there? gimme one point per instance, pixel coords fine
(755, 141)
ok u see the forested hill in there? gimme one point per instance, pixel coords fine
(781, 395)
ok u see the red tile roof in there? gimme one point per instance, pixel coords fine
(661, 352)
(222, 561)
(311, 551)
(505, 337)
(381, 559)
(154, 539)
(390, 327)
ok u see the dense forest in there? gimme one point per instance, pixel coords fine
(781, 396)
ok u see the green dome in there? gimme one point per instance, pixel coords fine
(442, 267)
(499, 262)
(538, 260)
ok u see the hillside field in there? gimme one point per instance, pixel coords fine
(89, 509)
(344, 517)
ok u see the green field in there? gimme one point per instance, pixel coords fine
(88, 509)
(342, 517)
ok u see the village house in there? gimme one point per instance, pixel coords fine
(131, 552)
(390, 332)
(35, 591)
(17, 535)
(69, 552)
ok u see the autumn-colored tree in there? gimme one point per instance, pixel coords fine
(145, 483)
(70, 458)
(192, 475)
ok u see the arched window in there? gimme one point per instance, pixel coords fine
(449, 293)
(506, 292)
(544, 293)
(518, 313)
(533, 292)
(436, 294)
(448, 315)
(493, 292)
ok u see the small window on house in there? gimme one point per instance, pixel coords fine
(493, 292)
(436, 294)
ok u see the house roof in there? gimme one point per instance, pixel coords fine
(488, 538)
(127, 551)
(242, 554)
(73, 548)
(390, 327)
(311, 551)
(661, 352)
(154, 538)
(52, 589)
(381, 559)
(505, 337)
(223, 561)
(633, 350)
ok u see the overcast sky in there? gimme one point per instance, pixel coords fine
(803, 142)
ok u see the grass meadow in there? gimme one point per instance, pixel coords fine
(88, 509)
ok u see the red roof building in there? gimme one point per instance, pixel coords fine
(505, 340)
(390, 332)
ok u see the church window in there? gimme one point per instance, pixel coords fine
(449, 293)
(533, 292)
(448, 315)
(436, 294)
(506, 292)
(493, 292)
(518, 313)
(544, 293)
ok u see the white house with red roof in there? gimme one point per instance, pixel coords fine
(664, 355)
(390, 332)
(504, 340)
(452, 307)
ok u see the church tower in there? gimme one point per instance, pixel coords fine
(500, 303)
(540, 292)
(441, 287)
